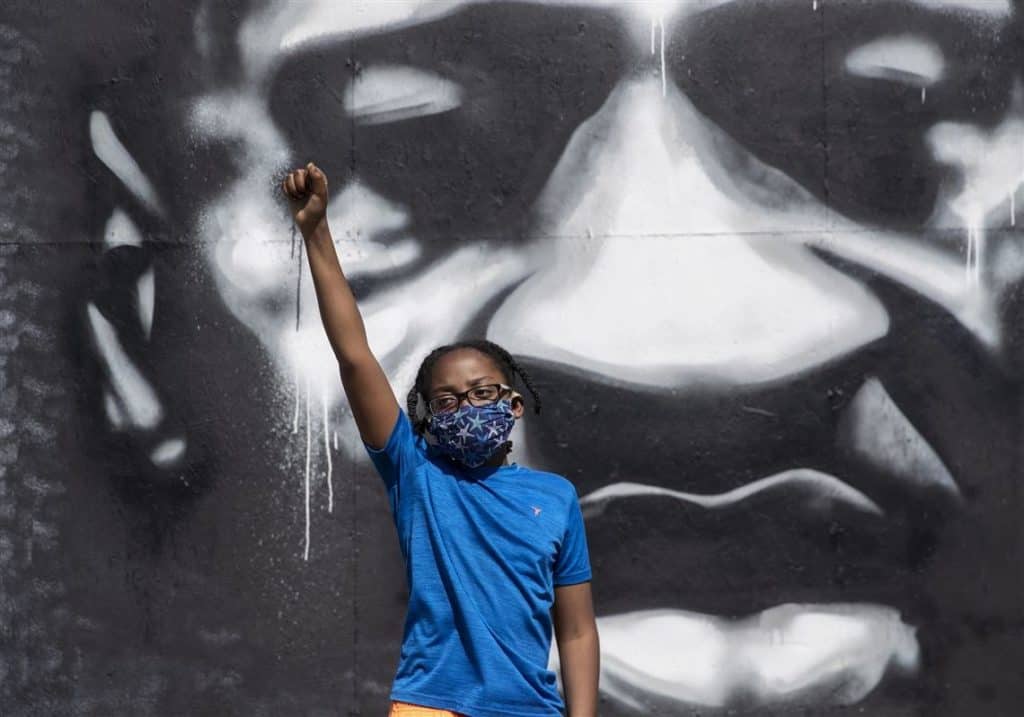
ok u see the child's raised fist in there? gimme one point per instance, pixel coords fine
(306, 190)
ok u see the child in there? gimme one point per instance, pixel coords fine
(490, 546)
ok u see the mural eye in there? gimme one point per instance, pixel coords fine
(385, 94)
(904, 58)
(425, 108)
(840, 101)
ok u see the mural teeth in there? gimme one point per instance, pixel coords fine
(788, 655)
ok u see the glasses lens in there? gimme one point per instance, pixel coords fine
(482, 395)
(443, 404)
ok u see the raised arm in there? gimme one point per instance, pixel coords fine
(369, 394)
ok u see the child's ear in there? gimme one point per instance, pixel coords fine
(518, 404)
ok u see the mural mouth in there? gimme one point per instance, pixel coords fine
(799, 590)
(719, 518)
(812, 654)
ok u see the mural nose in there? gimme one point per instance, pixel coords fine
(669, 255)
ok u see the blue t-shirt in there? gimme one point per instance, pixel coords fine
(484, 548)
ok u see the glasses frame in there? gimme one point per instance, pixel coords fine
(503, 390)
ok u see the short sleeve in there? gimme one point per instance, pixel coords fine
(573, 562)
(399, 455)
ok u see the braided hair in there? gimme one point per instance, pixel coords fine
(508, 365)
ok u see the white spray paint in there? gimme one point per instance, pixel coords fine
(648, 192)
(896, 57)
(907, 59)
(295, 419)
(834, 654)
(822, 492)
(136, 398)
(119, 160)
(146, 288)
(975, 248)
(120, 230)
(991, 167)
(393, 93)
(658, 23)
(335, 433)
(168, 452)
(814, 6)
(327, 450)
(876, 431)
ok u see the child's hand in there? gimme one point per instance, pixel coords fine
(306, 190)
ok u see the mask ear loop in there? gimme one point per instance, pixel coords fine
(423, 421)
(516, 396)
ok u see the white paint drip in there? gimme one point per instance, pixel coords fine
(327, 451)
(335, 440)
(659, 24)
(1013, 208)
(295, 419)
(664, 87)
(975, 250)
(991, 167)
(814, 6)
(924, 94)
(309, 447)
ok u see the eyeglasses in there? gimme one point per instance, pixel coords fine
(477, 396)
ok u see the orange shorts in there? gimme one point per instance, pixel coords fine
(404, 709)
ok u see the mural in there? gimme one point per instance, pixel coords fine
(761, 258)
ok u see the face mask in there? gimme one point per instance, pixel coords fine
(472, 434)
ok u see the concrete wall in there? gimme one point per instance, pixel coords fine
(761, 258)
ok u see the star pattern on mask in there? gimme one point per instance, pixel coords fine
(472, 434)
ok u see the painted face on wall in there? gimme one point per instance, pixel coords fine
(759, 257)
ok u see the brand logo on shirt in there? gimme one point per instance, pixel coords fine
(536, 510)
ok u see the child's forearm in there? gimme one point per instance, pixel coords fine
(580, 656)
(338, 309)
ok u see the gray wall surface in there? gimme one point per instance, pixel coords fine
(762, 259)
